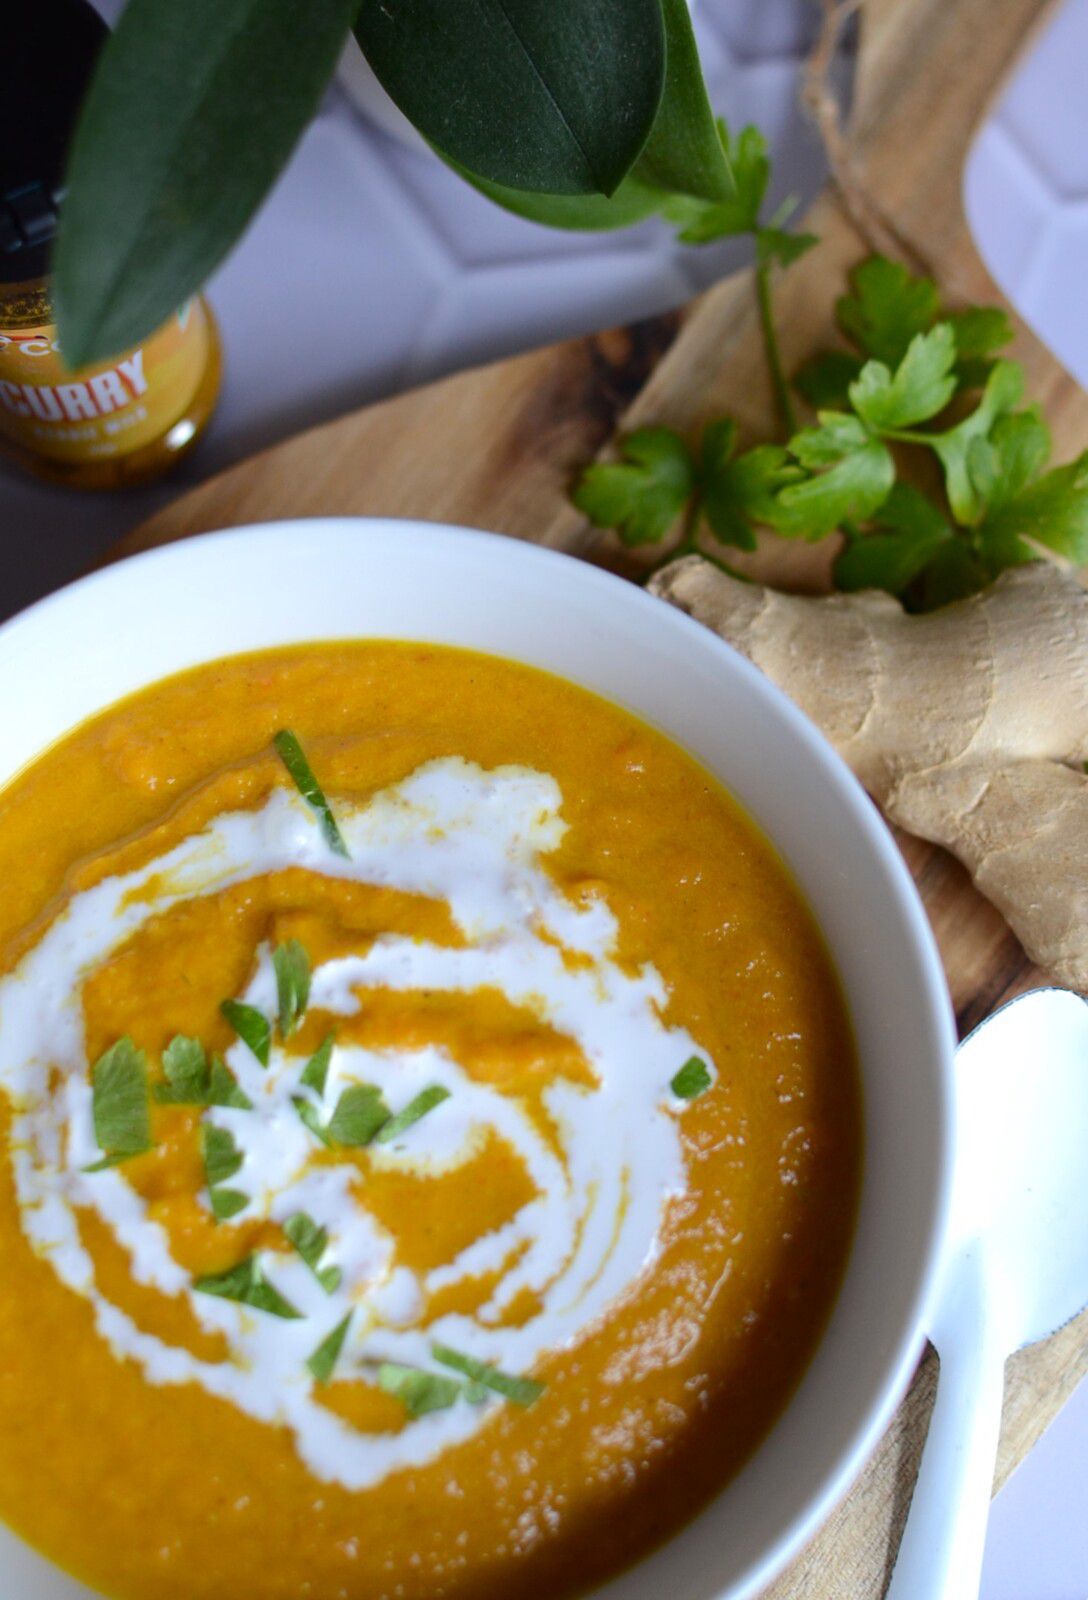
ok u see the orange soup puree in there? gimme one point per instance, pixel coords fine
(439, 1194)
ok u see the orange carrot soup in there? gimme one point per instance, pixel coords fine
(432, 1134)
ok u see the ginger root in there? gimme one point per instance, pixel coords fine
(968, 726)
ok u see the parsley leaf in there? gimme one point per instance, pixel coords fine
(859, 476)
(360, 1113)
(980, 331)
(120, 1104)
(222, 1159)
(311, 1242)
(191, 1081)
(910, 530)
(291, 753)
(251, 1026)
(522, 1391)
(642, 495)
(292, 968)
(316, 1070)
(739, 491)
(825, 378)
(692, 1079)
(921, 385)
(325, 1357)
(425, 1101)
(247, 1284)
(1002, 392)
(418, 1391)
(886, 308)
(311, 1117)
(1053, 511)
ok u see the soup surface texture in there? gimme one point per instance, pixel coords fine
(436, 1195)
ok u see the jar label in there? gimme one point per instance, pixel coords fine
(101, 411)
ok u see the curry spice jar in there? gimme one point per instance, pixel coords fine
(117, 422)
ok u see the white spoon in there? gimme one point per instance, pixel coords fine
(1015, 1269)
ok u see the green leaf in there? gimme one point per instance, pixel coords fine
(777, 245)
(325, 1357)
(642, 496)
(700, 221)
(634, 201)
(246, 1284)
(223, 1089)
(684, 151)
(251, 1026)
(190, 1081)
(292, 968)
(311, 1117)
(311, 1242)
(425, 1101)
(1002, 465)
(186, 1066)
(557, 96)
(191, 115)
(522, 1391)
(980, 331)
(825, 379)
(222, 1157)
(293, 756)
(886, 309)
(910, 531)
(739, 491)
(921, 385)
(1053, 512)
(120, 1103)
(316, 1071)
(692, 1079)
(417, 1390)
(360, 1113)
(954, 573)
(683, 154)
(1002, 392)
(226, 1203)
(859, 474)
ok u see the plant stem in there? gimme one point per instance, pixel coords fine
(783, 400)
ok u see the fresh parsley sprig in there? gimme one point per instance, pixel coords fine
(919, 382)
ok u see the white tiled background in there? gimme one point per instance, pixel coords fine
(372, 269)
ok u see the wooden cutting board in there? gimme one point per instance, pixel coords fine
(497, 448)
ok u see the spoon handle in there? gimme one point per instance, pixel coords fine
(940, 1557)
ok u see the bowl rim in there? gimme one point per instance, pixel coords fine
(845, 1467)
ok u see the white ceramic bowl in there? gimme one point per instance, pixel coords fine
(124, 627)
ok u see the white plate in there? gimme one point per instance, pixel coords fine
(122, 628)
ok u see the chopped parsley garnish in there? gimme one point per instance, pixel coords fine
(120, 1106)
(292, 967)
(360, 1113)
(251, 1026)
(192, 1081)
(311, 1117)
(325, 1357)
(522, 1391)
(311, 1242)
(417, 1390)
(692, 1079)
(425, 1101)
(222, 1159)
(316, 1070)
(248, 1285)
(291, 754)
